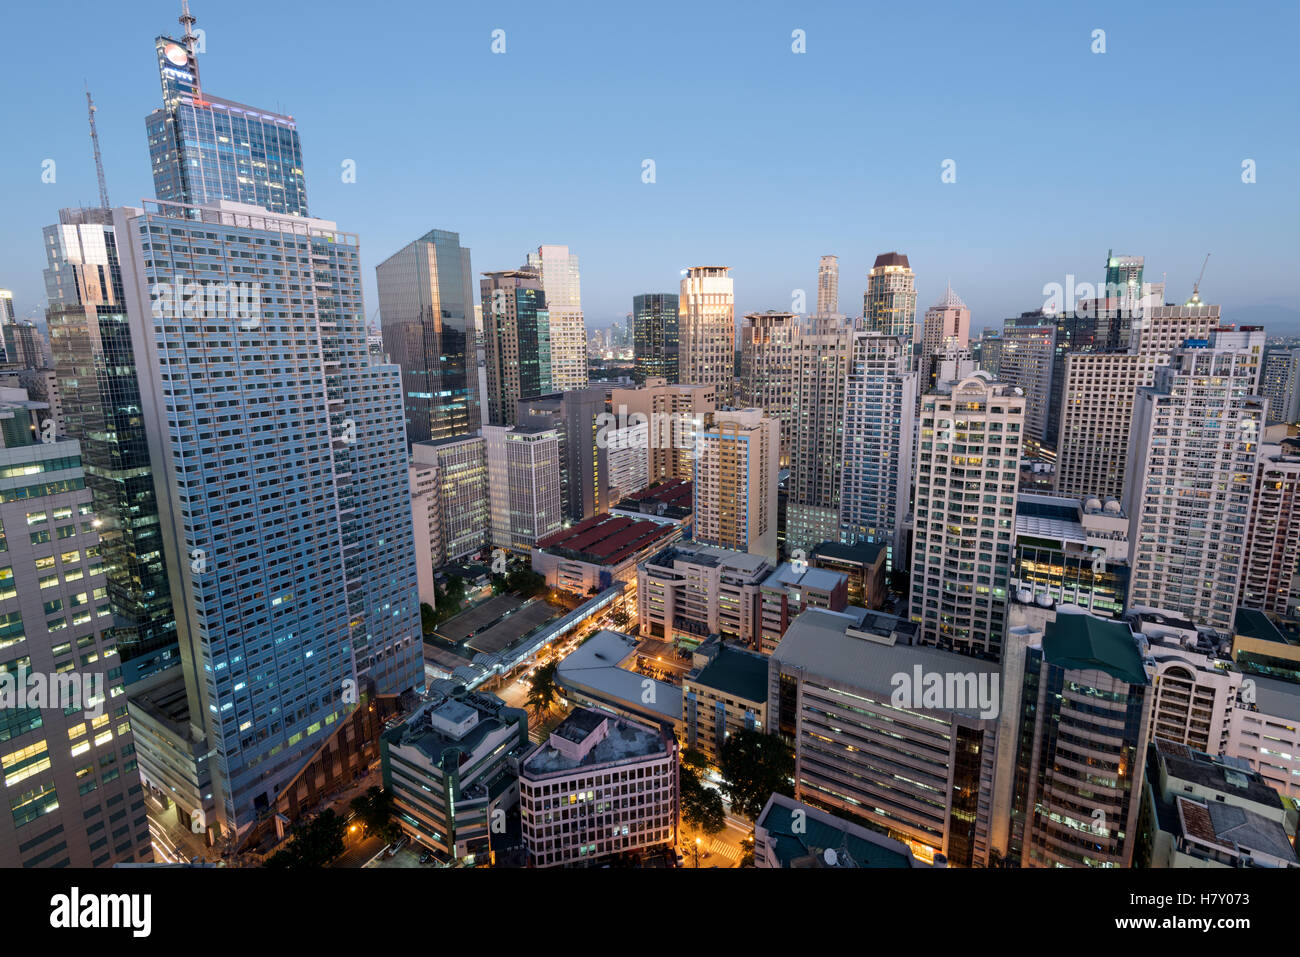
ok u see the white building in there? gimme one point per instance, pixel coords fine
(706, 328)
(558, 270)
(524, 484)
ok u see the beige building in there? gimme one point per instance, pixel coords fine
(706, 328)
(725, 692)
(828, 286)
(817, 421)
(674, 414)
(688, 592)
(557, 268)
(735, 483)
(449, 503)
(767, 344)
(1272, 557)
(524, 482)
(946, 328)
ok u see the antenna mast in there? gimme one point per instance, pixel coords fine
(99, 160)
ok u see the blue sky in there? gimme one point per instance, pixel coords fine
(765, 159)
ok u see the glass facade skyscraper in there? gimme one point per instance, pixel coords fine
(204, 148)
(654, 336)
(426, 307)
(516, 341)
(94, 359)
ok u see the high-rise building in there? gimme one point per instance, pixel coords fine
(675, 414)
(706, 326)
(1124, 280)
(828, 286)
(426, 303)
(99, 385)
(1028, 352)
(817, 416)
(1271, 579)
(735, 482)
(967, 477)
(205, 148)
(879, 419)
(946, 328)
(889, 305)
(6, 306)
(654, 336)
(848, 691)
(1193, 452)
(516, 340)
(557, 268)
(524, 485)
(1072, 552)
(1075, 722)
(767, 368)
(1280, 384)
(1073, 332)
(584, 447)
(1098, 393)
(69, 753)
(280, 467)
(987, 352)
(24, 345)
(452, 473)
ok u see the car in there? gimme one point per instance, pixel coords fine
(426, 857)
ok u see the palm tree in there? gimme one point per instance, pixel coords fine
(542, 691)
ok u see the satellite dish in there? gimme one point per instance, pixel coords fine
(830, 857)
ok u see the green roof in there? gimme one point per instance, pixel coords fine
(817, 835)
(1079, 642)
(1251, 623)
(739, 673)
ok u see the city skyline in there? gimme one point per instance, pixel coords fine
(1006, 194)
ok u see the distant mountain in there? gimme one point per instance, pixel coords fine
(1276, 320)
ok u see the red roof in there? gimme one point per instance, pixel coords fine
(669, 491)
(607, 540)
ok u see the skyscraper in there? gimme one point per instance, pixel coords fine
(426, 310)
(205, 148)
(707, 329)
(280, 465)
(516, 341)
(95, 362)
(1193, 452)
(967, 477)
(828, 286)
(1271, 579)
(889, 305)
(1028, 353)
(817, 420)
(735, 483)
(879, 419)
(654, 336)
(557, 268)
(767, 367)
(1280, 384)
(524, 488)
(675, 414)
(946, 327)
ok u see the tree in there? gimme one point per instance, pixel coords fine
(701, 806)
(695, 758)
(313, 844)
(375, 811)
(754, 766)
(428, 619)
(747, 849)
(542, 690)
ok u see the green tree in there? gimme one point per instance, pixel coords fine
(375, 811)
(747, 852)
(314, 843)
(428, 619)
(542, 690)
(701, 806)
(754, 766)
(695, 758)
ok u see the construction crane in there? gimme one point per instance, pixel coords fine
(1196, 286)
(99, 160)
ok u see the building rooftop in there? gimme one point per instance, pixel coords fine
(668, 492)
(1082, 642)
(595, 669)
(624, 741)
(448, 727)
(891, 259)
(820, 579)
(1252, 623)
(1227, 775)
(605, 539)
(863, 553)
(735, 672)
(850, 845)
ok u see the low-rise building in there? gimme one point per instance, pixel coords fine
(863, 564)
(668, 502)
(791, 590)
(599, 673)
(792, 834)
(590, 556)
(687, 593)
(725, 692)
(602, 785)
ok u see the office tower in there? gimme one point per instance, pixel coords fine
(453, 474)
(889, 305)
(204, 148)
(817, 410)
(451, 768)
(1071, 552)
(584, 452)
(828, 286)
(968, 470)
(69, 753)
(1280, 384)
(654, 336)
(425, 308)
(706, 326)
(1098, 394)
(987, 351)
(99, 387)
(280, 468)
(1191, 474)
(1027, 355)
(24, 345)
(1271, 579)
(1074, 331)
(524, 486)
(6, 306)
(627, 452)
(516, 341)
(675, 414)
(946, 328)
(557, 268)
(1123, 281)
(879, 419)
(690, 591)
(573, 790)
(847, 690)
(767, 368)
(735, 482)
(1075, 724)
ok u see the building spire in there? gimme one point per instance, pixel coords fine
(187, 20)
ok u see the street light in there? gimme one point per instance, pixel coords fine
(697, 853)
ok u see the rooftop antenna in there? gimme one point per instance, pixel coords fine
(187, 20)
(1196, 286)
(99, 160)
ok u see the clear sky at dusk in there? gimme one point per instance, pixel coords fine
(765, 159)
